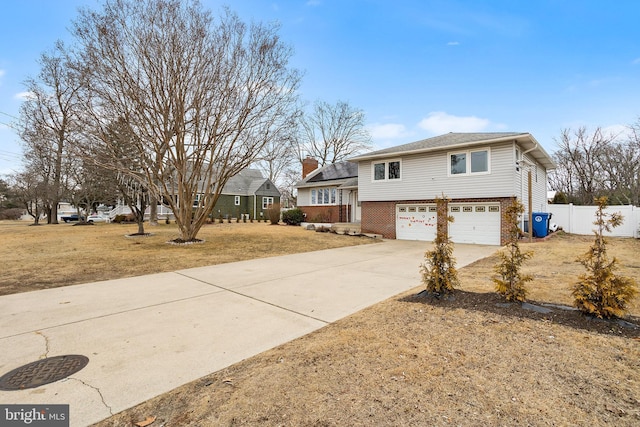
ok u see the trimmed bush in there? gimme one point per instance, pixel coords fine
(273, 213)
(293, 216)
(11, 213)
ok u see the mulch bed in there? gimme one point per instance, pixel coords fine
(558, 314)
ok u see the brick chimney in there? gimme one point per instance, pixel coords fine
(309, 164)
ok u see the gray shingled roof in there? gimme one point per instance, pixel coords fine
(446, 140)
(455, 139)
(246, 183)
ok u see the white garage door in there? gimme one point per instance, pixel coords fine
(416, 222)
(475, 223)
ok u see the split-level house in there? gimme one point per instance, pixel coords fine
(479, 172)
(394, 190)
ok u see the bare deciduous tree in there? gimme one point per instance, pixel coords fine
(48, 123)
(202, 96)
(331, 133)
(579, 157)
(591, 165)
(31, 192)
(276, 158)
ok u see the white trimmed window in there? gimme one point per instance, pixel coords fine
(323, 196)
(469, 162)
(236, 201)
(387, 171)
(197, 199)
(267, 202)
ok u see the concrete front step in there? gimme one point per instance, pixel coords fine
(346, 227)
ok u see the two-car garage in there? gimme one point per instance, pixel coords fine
(477, 223)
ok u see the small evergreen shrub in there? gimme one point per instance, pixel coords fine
(600, 292)
(293, 216)
(439, 272)
(510, 282)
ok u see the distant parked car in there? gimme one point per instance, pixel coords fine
(97, 218)
(70, 218)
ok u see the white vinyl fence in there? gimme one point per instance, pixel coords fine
(579, 219)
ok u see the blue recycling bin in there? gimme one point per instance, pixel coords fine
(540, 224)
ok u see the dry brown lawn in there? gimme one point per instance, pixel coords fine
(414, 361)
(47, 256)
(408, 361)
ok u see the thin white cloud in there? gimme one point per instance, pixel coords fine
(314, 3)
(387, 130)
(439, 122)
(23, 96)
(453, 44)
(616, 131)
(636, 61)
(2, 72)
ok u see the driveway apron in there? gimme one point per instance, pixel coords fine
(147, 335)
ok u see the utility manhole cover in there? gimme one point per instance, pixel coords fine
(43, 372)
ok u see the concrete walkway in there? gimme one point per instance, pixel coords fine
(147, 335)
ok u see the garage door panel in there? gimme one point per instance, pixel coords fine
(415, 222)
(476, 224)
(473, 223)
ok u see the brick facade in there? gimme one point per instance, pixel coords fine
(380, 217)
(329, 213)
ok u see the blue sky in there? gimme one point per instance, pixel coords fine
(417, 68)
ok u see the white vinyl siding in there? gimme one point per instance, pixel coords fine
(425, 176)
(538, 183)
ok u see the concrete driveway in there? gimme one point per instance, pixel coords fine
(147, 335)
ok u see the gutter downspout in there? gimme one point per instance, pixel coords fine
(529, 188)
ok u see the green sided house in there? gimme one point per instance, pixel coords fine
(247, 193)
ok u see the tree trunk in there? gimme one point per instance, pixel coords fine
(140, 227)
(153, 210)
(49, 213)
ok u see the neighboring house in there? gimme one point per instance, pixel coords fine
(247, 193)
(330, 193)
(479, 172)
